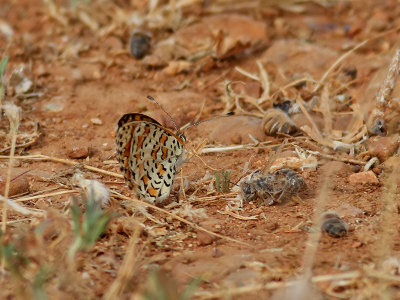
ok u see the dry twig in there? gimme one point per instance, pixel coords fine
(195, 226)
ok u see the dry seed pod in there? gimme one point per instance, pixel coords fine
(275, 121)
(140, 44)
(333, 225)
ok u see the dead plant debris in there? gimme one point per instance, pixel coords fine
(313, 89)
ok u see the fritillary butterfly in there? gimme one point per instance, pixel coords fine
(149, 155)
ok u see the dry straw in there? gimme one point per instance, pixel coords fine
(377, 119)
(13, 114)
(127, 268)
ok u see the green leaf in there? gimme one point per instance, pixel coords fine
(3, 64)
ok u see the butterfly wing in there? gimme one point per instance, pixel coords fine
(149, 155)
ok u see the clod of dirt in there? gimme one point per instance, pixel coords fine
(19, 182)
(78, 151)
(204, 238)
(368, 177)
(96, 121)
(140, 44)
(383, 147)
(333, 225)
(218, 36)
(226, 130)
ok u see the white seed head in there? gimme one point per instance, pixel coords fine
(92, 188)
(13, 114)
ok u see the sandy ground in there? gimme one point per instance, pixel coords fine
(83, 79)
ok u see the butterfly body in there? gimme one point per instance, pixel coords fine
(149, 155)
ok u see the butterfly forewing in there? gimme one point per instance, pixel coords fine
(149, 155)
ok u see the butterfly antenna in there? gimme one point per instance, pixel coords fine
(206, 120)
(162, 108)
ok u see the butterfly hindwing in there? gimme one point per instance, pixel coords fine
(149, 155)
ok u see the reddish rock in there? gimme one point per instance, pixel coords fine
(19, 182)
(78, 151)
(377, 170)
(231, 129)
(383, 147)
(205, 238)
(368, 177)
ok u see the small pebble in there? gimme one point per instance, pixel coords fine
(368, 177)
(18, 185)
(140, 44)
(333, 225)
(96, 121)
(377, 170)
(205, 238)
(383, 147)
(78, 152)
(236, 139)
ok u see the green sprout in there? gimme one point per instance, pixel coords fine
(74, 3)
(40, 279)
(14, 259)
(3, 64)
(222, 181)
(88, 225)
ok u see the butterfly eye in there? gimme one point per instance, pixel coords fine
(182, 136)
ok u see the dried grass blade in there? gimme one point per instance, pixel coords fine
(326, 111)
(336, 63)
(300, 102)
(195, 226)
(264, 80)
(247, 74)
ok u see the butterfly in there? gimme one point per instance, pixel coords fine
(149, 155)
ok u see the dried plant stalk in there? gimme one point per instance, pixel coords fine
(336, 63)
(127, 268)
(314, 237)
(13, 114)
(388, 227)
(377, 119)
(382, 99)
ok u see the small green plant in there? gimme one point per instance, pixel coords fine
(15, 260)
(77, 2)
(40, 279)
(3, 64)
(222, 181)
(163, 287)
(88, 225)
